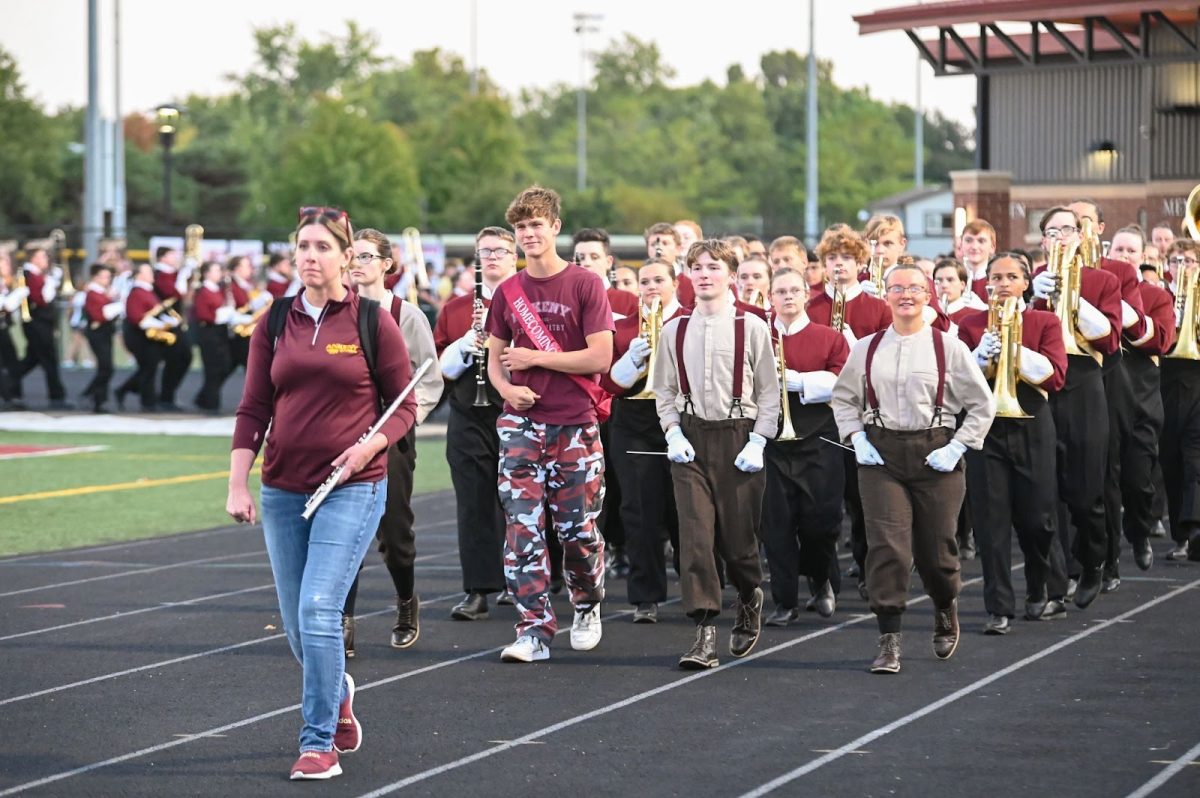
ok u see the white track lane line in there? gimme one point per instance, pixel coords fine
(188, 657)
(166, 605)
(180, 536)
(264, 716)
(871, 736)
(1167, 773)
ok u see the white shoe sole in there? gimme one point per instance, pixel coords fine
(336, 770)
(509, 655)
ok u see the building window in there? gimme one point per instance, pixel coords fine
(938, 223)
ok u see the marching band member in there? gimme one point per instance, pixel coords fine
(717, 397)
(887, 232)
(101, 313)
(802, 508)
(143, 334)
(788, 253)
(43, 282)
(171, 285)
(397, 541)
(247, 298)
(281, 277)
(214, 313)
(1121, 412)
(547, 345)
(627, 280)
(951, 279)
(1081, 423)
(978, 245)
(312, 386)
(1180, 442)
(12, 295)
(663, 241)
(1011, 481)
(757, 247)
(896, 401)
(753, 282)
(648, 502)
(845, 254)
(472, 444)
(593, 251)
(689, 233)
(1139, 475)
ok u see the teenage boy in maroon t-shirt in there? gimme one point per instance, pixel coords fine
(551, 459)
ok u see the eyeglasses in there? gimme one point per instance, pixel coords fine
(332, 214)
(365, 258)
(1059, 232)
(500, 252)
(1179, 260)
(911, 290)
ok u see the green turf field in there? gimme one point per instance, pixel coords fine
(44, 524)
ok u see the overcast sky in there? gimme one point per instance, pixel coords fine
(175, 48)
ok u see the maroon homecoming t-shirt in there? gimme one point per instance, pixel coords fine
(573, 305)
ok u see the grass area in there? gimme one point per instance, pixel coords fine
(105, 516)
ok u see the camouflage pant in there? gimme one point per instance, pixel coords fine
(550, 475)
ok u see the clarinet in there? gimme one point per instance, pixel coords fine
(332, 481)
(481, 397)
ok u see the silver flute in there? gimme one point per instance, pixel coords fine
(334, 479)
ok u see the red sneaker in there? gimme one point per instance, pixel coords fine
(316, 765)
(347, 737)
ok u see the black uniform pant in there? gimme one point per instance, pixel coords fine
(472, 452)
(802, 515)
(1012, 484)
(396, 537)
(218, 364)
(648, 501)
(1180, 445)
(610, 523)
(719, 507)
(41, 350)
(177, 359)
(1081, 427)
(10, 378)
(148, 354)
(1139, 455)
(100, 340)
(239, 351)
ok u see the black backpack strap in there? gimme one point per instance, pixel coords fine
(277, 317)
(368, 338)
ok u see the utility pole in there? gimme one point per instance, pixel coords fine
(811, 190)
(584, 24)
(93, 141)
(919, 135)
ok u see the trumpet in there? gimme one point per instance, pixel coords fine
(752, 296)
(26, 316)
(58, 244)
(837, 315)
(193, 238)
(162, 336)
(649, 328)
(1065, 263)
(1004, 321)
(1090, 250)
(787, 432)
(875, 270)
(481, 397)
(414, 262)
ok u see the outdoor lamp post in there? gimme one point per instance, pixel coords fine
(168, 118)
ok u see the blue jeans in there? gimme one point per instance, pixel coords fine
(313, 563)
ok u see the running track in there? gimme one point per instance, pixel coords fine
(157, 668)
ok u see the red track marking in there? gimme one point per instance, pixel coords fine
(13, 451)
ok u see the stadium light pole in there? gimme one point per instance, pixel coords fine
(810, 190)
(168, 118)
(584, 24)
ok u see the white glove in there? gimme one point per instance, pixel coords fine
(947, 457)
(261, 301)
(989, 347)
(795, 381)
(1044, 285)
(627, 370)
(468, 345)
(679, 450)
(868, 287)
(864, 452)
(638, 351)
(750, 459)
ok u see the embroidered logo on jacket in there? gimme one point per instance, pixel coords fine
(342, 349)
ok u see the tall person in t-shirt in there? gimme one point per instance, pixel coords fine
(550, 337)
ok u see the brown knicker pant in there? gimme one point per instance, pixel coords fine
(718, 505)
(911, 514)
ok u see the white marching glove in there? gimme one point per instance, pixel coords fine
(750, 459)
(864, 452)
(868, 287)
(795, 381)
(628, 368)
(1044, 285)
(989, 347)
(468, 345)
(261, 301)
(638, 351)
(947, 457)
(679, 450)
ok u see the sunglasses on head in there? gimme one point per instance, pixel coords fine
(332, 214)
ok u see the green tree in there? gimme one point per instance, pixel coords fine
(32, 154)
